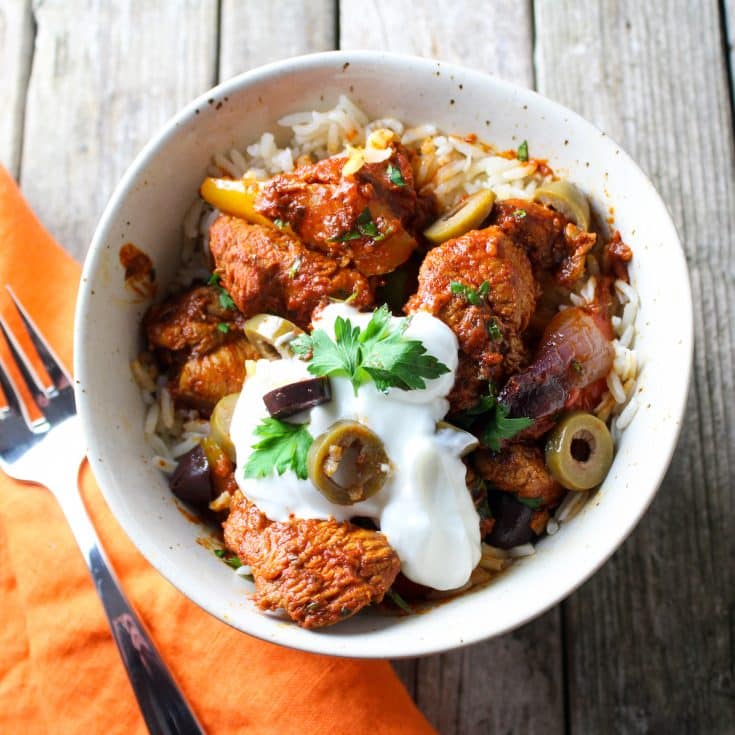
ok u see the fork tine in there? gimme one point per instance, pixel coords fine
(19, 337)
(15, 387)
(51, 361)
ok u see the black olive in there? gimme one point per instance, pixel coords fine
(512, 521)
(190, 481)
(296, 397)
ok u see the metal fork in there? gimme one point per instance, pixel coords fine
(41, 442)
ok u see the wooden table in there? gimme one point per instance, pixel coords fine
(646, 646)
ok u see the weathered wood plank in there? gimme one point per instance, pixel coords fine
(16, 54)
(649, 637)
(105, 77)
(513, 683)
(494, 37)
(254, 33)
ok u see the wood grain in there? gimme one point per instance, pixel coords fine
(253, 33)
(105, 77)
(514, 683)
(16, 54)
(494, 37)
(649, 638)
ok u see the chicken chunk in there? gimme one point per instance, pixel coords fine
(519, 469)
(197, 336)
(366, 218)
(551, 241)
(481, 285)
(319, 572)
(266, 270)
(190, 321)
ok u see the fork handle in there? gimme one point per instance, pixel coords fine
(162, 703)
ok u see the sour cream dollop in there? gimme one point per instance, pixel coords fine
(424, 508)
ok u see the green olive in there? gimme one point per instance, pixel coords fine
(579, 451)
(463, 217)
(219, 424)
(271, 335)
(348, 463)
(567, 199)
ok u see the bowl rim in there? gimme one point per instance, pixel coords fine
(361, 646)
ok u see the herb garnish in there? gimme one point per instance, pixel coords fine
(294, 269)
(493, 329)
(522, 152)
(279, 223)
(532, 503)
(398, 601)
(231, 561)
(520, 213)
(577, 367)
(474, 296)
(225, 300)
(365, 227)
(380, 352)
(283, 447)
(395, 175)
(498, 426)
(223, 327)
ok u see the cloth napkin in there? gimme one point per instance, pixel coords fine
(59, 668)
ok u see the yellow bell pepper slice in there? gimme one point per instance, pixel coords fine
(235, 197)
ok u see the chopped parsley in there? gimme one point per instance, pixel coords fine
(381, 352)
(364, 227)
(522, 152)
(220, 553)
(225, 300)
(577, 367)
(493, 329)
(532, 503)
(395, 175)
(294, 269)
(474, 296)
(223, 327)
(231, 561)
(279, 223)
(283, 446)
(398, 601)
(498, 427)
(520, 213)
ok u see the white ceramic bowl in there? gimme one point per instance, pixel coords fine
(147, 209)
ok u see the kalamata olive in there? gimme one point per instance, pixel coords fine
(295, 397)
(219, 423)
(271, 335)
(579, 451)
(512, 521)
(463, 217)
(567, 199)
(190, 480)
(348, 463)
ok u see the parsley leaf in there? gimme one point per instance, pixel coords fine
(365, 227)
(294, 268)
(220, 553)
(500, 427)
(532, 503)
(398, 601)
(395, 175)
(522, 152)
(520, 213)
(474, 296)
(381, 353)
(493, 329)
(225, 300)
(233, 562)
(577, 367)
(279, 223)
(214, 280)
(283, 446)
(223, 327)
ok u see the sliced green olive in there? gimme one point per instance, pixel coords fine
(348, 463)
(579, 451)
(271, 335)
(219, 424)
(566, 199)
(463, 217)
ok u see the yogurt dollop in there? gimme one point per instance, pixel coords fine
(424, 508)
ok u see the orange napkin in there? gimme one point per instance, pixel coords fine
(59, 668)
